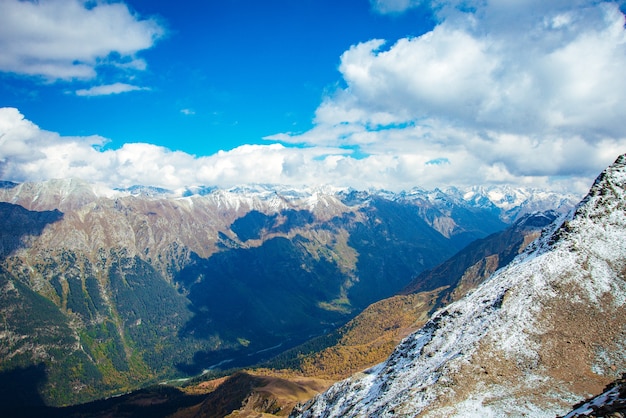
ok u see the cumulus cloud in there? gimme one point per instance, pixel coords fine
(29, 153)
(108, 89)
(519, 92)
(69, 39)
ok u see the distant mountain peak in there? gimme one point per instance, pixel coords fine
(148, 191)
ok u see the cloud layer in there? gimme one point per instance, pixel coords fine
(527, 93)
(70, 39)
(56, 156)
(28, 153)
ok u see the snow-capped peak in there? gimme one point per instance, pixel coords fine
(72, 193)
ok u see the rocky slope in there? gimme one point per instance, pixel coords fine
(246, 395)
(480, 259)
(541, 334)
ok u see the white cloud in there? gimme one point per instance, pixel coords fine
(29, 153)
(393, 6)
(557, 78)
(69, 39)
(521, 92)
(105, 90)
(395, 164)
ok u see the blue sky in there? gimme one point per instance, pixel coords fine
(362, 93)
(223, 73)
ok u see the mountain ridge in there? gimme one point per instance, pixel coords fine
(513, 202)
(502, 349)
(371, 336)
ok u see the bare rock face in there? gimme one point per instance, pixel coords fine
(541, 334)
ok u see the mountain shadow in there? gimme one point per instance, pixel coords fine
(498, 249)
(255, 298)
(19, 391)
(371, 336)
(153, 402)
(394, 244)
(255, 224)
(16, 223)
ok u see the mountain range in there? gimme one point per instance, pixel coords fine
(541, 334)
(105, 291)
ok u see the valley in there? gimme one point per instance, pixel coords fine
(135, 287)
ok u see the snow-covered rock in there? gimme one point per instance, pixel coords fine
(540, 335)
(610, 403)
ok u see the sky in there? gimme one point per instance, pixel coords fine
(389, 94)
